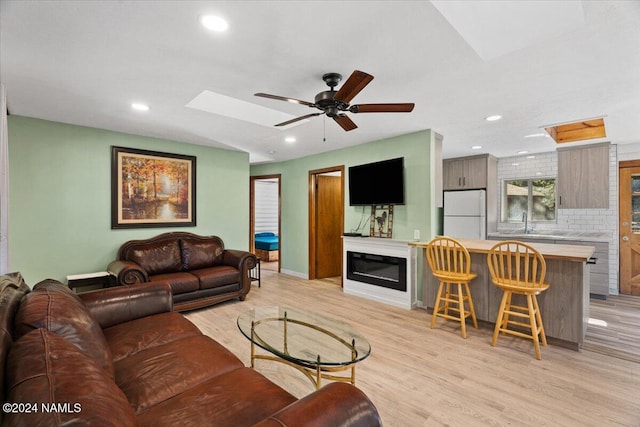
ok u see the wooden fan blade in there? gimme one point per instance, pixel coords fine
(382, 108)
(354, 84)
(288, 122)
(283, 98)
(345, 122)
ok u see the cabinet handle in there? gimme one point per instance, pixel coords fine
(459, 181)
(464, 180)
(560, 200)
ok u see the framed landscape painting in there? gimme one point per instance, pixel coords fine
(152, 189)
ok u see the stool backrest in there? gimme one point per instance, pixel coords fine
(447, 255)
(516, 263)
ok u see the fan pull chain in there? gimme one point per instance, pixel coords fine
(324, 128)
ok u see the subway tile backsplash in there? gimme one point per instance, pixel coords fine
(545, 165)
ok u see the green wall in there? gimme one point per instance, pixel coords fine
(60, 197)
(416, 214)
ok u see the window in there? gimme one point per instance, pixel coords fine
(535, 197)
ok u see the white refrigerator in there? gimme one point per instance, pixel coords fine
(465, 214)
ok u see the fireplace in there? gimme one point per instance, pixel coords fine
(380, 270)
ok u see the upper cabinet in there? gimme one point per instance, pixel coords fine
(468, 173)
(583, 177)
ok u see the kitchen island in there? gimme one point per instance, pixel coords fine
(564, 306)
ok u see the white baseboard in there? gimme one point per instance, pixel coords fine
(295, 274)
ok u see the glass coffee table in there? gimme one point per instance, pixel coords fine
(316, 345)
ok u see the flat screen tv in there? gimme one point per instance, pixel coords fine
(379, 183)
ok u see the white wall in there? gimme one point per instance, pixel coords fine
(545, 165)
(266, 206)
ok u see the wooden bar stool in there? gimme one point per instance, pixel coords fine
(518, 268)
(451, 265)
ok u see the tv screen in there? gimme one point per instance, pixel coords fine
(379, 183)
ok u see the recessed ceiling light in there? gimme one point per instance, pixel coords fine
(140, 107)
(538, 173)
(476, 147)
(515, 164)
(523, 152)
(536, 135)
(493, 118)
(214, 23)
(290, 139)
(531, 157)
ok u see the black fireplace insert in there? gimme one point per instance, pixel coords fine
(380, 270)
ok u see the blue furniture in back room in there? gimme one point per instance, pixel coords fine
(267, 244)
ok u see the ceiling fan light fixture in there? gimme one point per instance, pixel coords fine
(214, 23)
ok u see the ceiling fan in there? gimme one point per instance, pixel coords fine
(334, 103)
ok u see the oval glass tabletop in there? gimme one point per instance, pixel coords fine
(303, 337)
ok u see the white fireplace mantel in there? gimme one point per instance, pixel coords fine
(388, 247)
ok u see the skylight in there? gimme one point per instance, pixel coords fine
(215, 103)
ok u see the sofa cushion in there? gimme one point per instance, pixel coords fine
(159, 373)
(198, 254)
(44, 368)
(238, 398)
(129, 338)
(180, 282)
(217, 276)
(157, 258)
(55, 308)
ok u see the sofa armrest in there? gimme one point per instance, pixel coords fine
(239, 259)
(243, 261)
(127, 272)
(121, 304)
(336, 404)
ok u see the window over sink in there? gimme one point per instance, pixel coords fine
(535, 197)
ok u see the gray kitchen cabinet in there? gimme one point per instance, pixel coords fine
(599, 266)
(468, 173)
(583, 177)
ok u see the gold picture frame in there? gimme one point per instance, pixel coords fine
(152, 189)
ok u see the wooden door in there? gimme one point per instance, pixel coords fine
(629, 227)
(329, 226)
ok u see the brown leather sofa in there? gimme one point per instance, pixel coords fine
(199, 269)
(121, 357)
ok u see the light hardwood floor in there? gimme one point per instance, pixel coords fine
(615, 327)
(418, 376)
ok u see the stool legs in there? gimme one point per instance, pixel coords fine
(531, 312)
(448, 301)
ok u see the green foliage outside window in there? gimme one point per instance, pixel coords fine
(535, 197)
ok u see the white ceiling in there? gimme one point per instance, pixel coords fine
(85, 62)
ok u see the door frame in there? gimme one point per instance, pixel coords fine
(252, 213)
(313, 232)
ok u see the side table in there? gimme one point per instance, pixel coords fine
(102, 279)
(254, 273)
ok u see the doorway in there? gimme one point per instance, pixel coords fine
(326, 222)
(629, 227)
(265, 232)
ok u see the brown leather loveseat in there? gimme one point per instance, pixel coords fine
(121, 357)
(199, 269)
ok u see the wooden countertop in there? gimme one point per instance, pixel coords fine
(548, 250)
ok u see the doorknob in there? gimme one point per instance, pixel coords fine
(625, 238)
